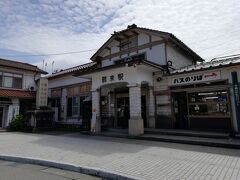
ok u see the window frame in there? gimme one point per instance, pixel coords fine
(219, 106)
(80, 101)
(76, 105)
(129, 43)
(13, 76)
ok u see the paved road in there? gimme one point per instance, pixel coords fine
(141, 159)
(17, 171)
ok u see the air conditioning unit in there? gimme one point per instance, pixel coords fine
(31, 88)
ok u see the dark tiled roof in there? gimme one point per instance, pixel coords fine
(10, 93)
(20, 65)
(214, 63)
(83, 67)
(129, 63)
(166, 34)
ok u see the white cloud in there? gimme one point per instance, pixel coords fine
(211, 28)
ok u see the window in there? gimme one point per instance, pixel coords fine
(10, 80)
(7, 82)
(17, 83)
(69, 107)
(133, 42)
(124, 45)
(56, 93)
(213, 103)
(75, 106)
(81, 104)
(129, 43)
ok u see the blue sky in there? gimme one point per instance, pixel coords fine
(211, 28)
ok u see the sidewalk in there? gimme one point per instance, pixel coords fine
(135, 158)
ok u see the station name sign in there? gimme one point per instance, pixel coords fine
(195, 78)
(112, 78)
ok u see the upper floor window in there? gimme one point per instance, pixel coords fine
(11, 80)
(129, 43)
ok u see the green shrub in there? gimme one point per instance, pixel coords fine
(18, 123)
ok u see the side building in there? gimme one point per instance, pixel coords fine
(70, 96)
(203, 97)
(18, 87)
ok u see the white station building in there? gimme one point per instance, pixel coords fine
(142, 78)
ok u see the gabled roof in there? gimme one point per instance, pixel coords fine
(134, 28)
(83, 67)
(213, 64)
(20, 65)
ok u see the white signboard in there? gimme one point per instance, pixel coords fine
(196, 78)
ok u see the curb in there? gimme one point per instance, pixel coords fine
(69, 167)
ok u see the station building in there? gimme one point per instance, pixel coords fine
(145, 79)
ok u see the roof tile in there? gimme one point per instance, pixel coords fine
(10, 93)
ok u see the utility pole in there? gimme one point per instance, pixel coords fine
(43, 65)
(46, 66)
(52, 66)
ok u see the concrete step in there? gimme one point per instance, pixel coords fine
(2, 130)
(115, 130)
(189, 133)
(215, 142)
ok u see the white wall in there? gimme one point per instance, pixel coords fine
(178, 59)
(65, 81)
(131, 75)
(156, 54)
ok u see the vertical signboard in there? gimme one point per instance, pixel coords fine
(42, 92)
(236, 93)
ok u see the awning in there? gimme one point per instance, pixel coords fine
(10, 93)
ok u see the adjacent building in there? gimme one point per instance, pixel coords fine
(70, 96)
(200, 97)
(143, 78)
(17, 89)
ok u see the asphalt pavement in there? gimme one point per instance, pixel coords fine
(18, 171)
